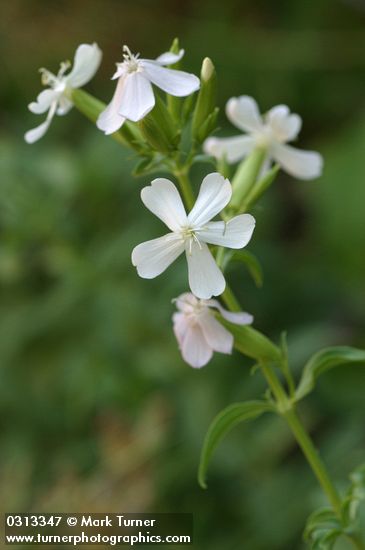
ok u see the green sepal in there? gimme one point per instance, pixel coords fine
(259, 188)
(222, 424)
(208, 126)
(187, 108)
(323, 361)
(245, 178)
(253, 343)
(224, 167)
(91, 107)
(159, 129)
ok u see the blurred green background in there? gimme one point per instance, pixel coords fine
(97, 410)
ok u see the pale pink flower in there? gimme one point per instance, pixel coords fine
(198, 331)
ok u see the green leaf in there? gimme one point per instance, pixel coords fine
(223, 423)
(322, 529)
(324, 360)
(149, 165)
(355, 495)
(250, 261)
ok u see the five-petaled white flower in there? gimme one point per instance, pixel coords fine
(272, 132)
(199, 333)
(56, 99)
(134, 98)
(190, 233)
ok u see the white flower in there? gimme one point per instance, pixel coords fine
(272, 131)
(133, 98)
(199, 333)
(56, 99)
(191, 233)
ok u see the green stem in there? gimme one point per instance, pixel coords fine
(276, 387)
(230, 299)
(314, 459)
(286, 408)
(186, 188)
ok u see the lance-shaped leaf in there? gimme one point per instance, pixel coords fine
(355, 495)
(223, 423)
(323, 361)
(323, 529)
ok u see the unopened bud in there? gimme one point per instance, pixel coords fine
(205, 113)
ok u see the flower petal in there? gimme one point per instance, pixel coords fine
(169, 58)
(186, 302)
(86, 63)
(180, 326)
(235, 233)
(285, 126)
(233, 149)
(44, 101)
(192, 343)
(137, 98)
(205, 277)
(109, 121)
(243, 112)
(163, 199)
(235, 317)
(152, 257)
(217, 336)
(304, 165)
(177, 83)
(214, 195)
(36, 133)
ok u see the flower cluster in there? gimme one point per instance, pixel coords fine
(197, 234)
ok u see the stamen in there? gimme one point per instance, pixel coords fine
(47, 78)
(65, 65)
(196, 240)
(130, 59)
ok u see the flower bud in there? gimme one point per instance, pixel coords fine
(205, 113)
(208, 70)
